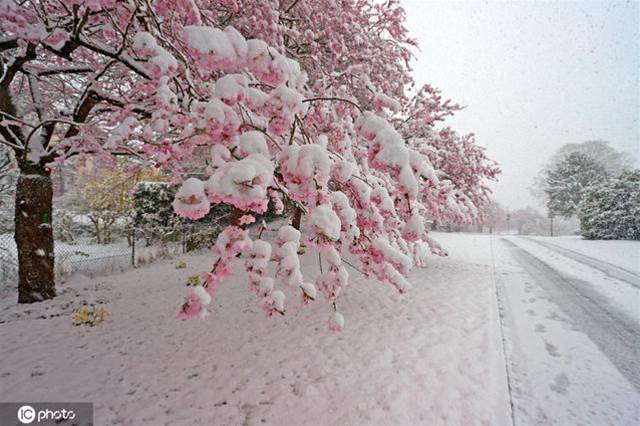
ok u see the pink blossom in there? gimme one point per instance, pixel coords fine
(192, 308)
(191, 201)
(246, 219)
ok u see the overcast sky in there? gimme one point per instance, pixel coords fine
(533, 76)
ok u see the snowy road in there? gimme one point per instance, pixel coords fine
(573, 346)
(611, 270)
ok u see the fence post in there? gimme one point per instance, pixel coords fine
(133, 246)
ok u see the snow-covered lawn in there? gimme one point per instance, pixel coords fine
(433, 356)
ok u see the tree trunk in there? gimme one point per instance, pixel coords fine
(297, 216)
(96, 226)
(34, 234)
(234, 220)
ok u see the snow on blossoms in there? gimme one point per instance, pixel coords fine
(360, 188)
(191, 201)
(230, 243)
(311, 110)
(242, 183)
(304, 170)
(366, 205)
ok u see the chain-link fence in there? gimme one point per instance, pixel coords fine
(8, 260)
(130, 247)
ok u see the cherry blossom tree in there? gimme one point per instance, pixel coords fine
(308, 103)
(529, 221)
(495, 217)
(65, 84)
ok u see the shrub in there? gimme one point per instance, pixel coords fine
(611, 209)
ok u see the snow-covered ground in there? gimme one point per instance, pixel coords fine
(433, 356)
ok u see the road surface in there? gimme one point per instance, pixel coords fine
(573, 350)
(609, 269)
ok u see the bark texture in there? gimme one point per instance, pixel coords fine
(297, 217)
(34, 234)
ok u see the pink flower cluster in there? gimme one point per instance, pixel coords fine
(335, 278)
(190, 200)
(388, 263)
(286, 256)
(231, 242)
(305, 170)
(256, 266)
(242, 183)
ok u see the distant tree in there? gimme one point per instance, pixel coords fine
(611, 209)
(108, 196)
(566, 182)
(495, 217)
(612, 161)
(153, 204)
(529, 221)
(107, 192)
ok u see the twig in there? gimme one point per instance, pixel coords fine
(333, 99)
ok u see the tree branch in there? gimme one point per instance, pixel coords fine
(12, 133)
(7, 43)
(64, 70)
(81, 113)
(333, 99)
(127, 62)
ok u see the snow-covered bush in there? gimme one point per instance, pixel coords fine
(154, 219)
(611, 210)
(63, 226)
(202, 237)
(566, 182)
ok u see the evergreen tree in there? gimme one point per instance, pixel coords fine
(611, 209)
(566, 182)
(613, 161)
